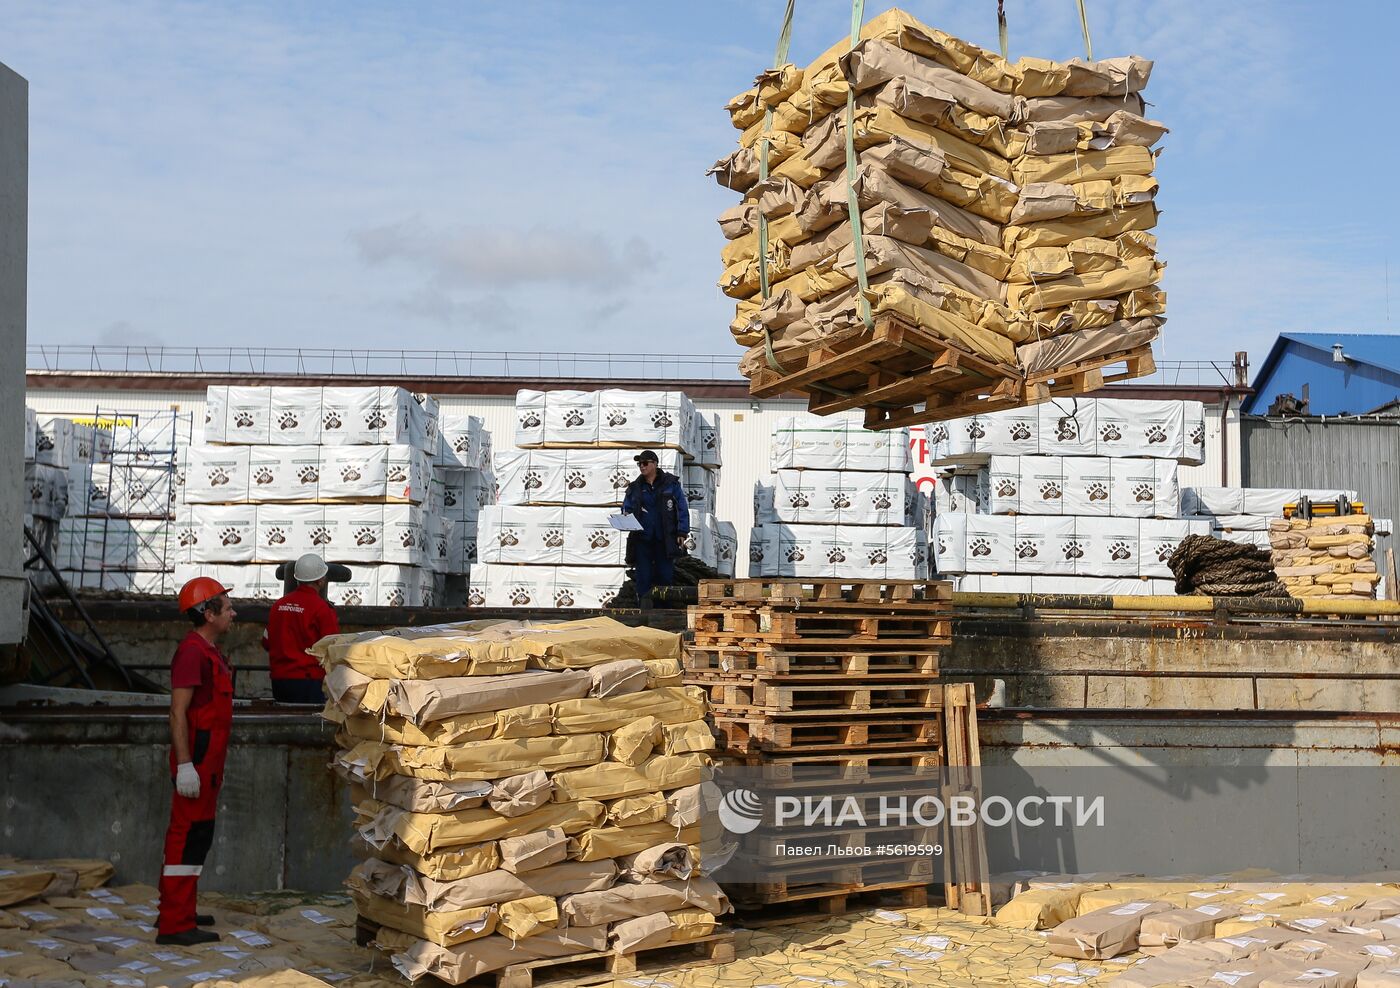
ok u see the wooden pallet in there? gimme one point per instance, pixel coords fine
(969, 891)
(802, 907)
(757, 697)
(599, 967)
(823, 880)
(1088, 376)
(768, 662)
(793, 591)
(759, 734)
(784, 765)
(891, 365)
(724, 625)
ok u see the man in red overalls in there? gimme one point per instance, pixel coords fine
(201, 711)
(295, 623)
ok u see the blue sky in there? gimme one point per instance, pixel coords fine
(463, 175)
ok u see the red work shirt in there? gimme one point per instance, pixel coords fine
(193, 667)
(295, 623)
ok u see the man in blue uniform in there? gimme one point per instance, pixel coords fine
(657, 500)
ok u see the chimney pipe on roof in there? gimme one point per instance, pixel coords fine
(1338, 357)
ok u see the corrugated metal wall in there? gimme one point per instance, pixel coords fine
(1348, 453)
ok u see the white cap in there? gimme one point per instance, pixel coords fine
(310, 568)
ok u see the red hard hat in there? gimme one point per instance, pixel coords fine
(200, 590)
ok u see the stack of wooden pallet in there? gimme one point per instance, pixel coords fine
(808, 673)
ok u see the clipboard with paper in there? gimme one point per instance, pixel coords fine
(625, 523)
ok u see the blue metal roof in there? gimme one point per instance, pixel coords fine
(1377, 349)
(1368, 378)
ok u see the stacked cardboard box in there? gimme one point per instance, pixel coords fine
(522, 792)
(463, 467)
(548, 541)
(1326, 558)
(840, 505)
(347, 473)
(1004, 207)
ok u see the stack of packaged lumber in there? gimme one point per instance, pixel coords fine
(1325, 558)
(1003, 209)
(522, 792)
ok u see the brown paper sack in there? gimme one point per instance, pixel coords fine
(529, 852)
(630, 901)
(1180, 925)
(653, 930)
(634, 743)
(618, 678)
(415, 958)
(1103, 933)
(520, 794)
(566, 878)
(664, 862)
(635, 811)
(522, 918)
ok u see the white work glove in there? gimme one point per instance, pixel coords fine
(187, 780)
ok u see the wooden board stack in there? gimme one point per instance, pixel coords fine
(1004, 213)
(1325, 558)
(803, 673)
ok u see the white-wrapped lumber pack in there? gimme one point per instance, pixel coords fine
(522, 792)
(1005, 207)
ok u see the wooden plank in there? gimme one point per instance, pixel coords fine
(781, 662)
(814, 904)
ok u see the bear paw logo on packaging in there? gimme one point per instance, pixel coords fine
(217, 477)
(662, 420)
(320, 535)
(553, 539)
(620, 480)
(449, 497)
(575, 480)
(939, 434)
(878, 556)
(798, 500)
(230, 536)
(533, 481)
(398, 473)
(562, 598)
(365, 536)
(520, 597)
(1165, 551)
(835, 556)
(740, 811)
(263, 476)
(1067, 431)
(1198, 436)
(1026, 550)
(243, 420)
(1143, 493)
(395, 598)
(1120, 551)
(1050, 491)
(287, 420)
(573, 419)
(1006, 488)
(1110, 433)
(275, 536)
(839, 500)
(507, 538)
(605, 598)
(1097, 492)
(408, 540)
(690, 542)
(1073, 550)
(43, 443)
(462, 444)
(375, 419)
(188, 538)
(331, 420)
(756, 553)
(530, 420)
(882, 502)
(616, 419)
(975, 430)
(600, 540)
(711, 440)
(349, 473)
(352, 598)
(1020, 432)
(980, 547)
(96, 495)
(309, 475)
(1156, 434)
(471, 551)
(795, 555)
(476, 598)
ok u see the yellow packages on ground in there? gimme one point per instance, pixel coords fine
(670, 705)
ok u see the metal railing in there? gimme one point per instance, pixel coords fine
(347, 362)
(333, 362)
